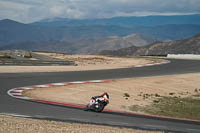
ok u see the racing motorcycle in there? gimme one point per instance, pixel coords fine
(98, 103)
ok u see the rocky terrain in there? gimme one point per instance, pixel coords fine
(187, 46)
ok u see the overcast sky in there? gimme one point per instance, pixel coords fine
(33, 10)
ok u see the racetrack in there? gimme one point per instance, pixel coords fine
(16, 106)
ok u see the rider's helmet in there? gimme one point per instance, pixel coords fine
(105, 96)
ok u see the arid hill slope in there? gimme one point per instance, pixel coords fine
(187, 46)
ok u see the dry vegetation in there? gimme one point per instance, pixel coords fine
(9, 124)
(84, 62)
(125, 93)
(90, 60)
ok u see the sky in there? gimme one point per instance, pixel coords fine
(28, 11)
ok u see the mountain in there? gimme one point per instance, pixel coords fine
(122, 21)
(84, 46)
(95, 35)
(12, 31)
(186, 46)
(161, 27)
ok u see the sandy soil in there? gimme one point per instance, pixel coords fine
(142, 91)
(84, 62)
(9, 124)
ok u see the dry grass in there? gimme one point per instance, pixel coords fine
(124, 93)
(9, 124)
(84, 62)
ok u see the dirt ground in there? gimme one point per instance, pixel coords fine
(84, 62)
(123, 93)
(10, 124)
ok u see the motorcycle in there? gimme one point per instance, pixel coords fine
(98, 103)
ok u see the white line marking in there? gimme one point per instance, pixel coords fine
(40, 116)
(155, 126)
(95, 81)
(19, 97)
(27, 88)
(77, 82)
(194, 130)
(41, 86)
(17, 115)
(149, 65)
(57, 84)
(16, 91)
(139, 65)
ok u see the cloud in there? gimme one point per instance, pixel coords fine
(14, 10)
(34, 10)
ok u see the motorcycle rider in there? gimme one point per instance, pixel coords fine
(104, 98)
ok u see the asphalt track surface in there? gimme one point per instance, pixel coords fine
(45, 111)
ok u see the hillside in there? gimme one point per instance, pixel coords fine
(187, 46)
(84, 46)
(110, 43)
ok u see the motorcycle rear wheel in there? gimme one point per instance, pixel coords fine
(100, 107)
(86, 108)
